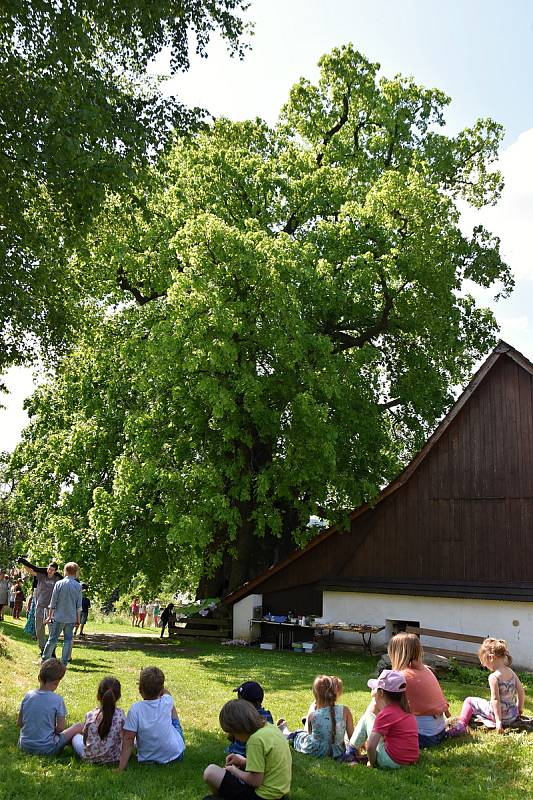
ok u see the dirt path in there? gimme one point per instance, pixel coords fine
(127, 641)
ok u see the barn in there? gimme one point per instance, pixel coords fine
(447, 545)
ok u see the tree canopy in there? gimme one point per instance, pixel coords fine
(290, 321)
(78, 116)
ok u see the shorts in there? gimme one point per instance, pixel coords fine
(431, 741)
(83, 617)
(233, 788)
(53, 751)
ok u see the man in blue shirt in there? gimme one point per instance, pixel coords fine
(64, 612)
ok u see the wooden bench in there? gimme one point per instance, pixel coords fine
(202, 627)
(460, 655)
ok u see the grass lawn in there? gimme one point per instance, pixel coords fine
(201, 676)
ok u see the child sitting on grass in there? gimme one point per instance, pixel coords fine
(338, 687)
(254, 694)
(43, 713)
(265, 772)
(387, 726)
(506, 691)
(154, 722)
(327, 724)
(101, 742)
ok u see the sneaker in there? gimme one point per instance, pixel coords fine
(349, 755)
(283, 727)
(458, 729)
(359, 759)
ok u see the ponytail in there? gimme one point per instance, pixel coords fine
(325, 688)
(108, 696)
(333, 722)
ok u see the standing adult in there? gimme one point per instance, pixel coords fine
(18, 591)
(165, 618)
(4, 593)
(149, 614)
(85, 606)
(157, 612)
(45, 580)
(64, 613)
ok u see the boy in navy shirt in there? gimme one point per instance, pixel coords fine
(254, 694)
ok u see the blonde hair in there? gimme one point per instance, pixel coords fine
(71, 568)
(325, 690)
(494, 648)
(403, 649)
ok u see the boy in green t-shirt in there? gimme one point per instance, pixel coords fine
(265, 773)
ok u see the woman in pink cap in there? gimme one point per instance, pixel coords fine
(387, 726)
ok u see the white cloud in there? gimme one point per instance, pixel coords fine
(20, 385)
(512, 220)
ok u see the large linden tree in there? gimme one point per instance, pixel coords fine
(282, 316)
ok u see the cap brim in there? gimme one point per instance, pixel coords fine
(373, 683)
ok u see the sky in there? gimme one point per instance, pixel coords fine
(479, 52)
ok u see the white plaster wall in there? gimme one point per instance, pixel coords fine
(512, 621)
(242, 614)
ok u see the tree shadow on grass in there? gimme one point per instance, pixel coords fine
(284, 669)
(465, 769)
(84, 665)
(16, 633)
(25, 777)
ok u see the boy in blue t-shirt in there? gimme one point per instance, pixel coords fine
(254, 694)
(42, 714)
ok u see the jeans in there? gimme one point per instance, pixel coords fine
(55, 629)
(40, 628)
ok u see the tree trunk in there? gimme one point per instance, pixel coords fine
(254, 555)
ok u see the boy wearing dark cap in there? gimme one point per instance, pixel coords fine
(254, 694)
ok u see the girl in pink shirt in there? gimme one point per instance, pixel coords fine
(387, 727)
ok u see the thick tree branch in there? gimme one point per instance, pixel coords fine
(392, 142)
(141, 299)
(293, 222)
(343, 119)
(389, 404)
(347, 341)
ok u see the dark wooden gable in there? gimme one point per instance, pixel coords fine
(458, 521)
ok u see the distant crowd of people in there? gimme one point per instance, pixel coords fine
(150, 614)
(12, 594)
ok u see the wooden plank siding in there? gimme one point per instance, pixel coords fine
(463, 515)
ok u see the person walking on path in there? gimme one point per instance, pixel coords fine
(157, 612)
(64, 612)
(84, 616)
(165, 618)
(4, 593)
(45, 578)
